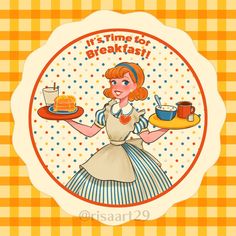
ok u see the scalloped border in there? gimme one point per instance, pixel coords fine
(104, 20)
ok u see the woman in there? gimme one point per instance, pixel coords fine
(122, 172)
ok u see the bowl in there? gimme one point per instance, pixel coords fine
(166, 112)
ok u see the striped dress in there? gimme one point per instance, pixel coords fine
(149, 178)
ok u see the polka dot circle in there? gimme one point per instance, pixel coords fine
(166, 74)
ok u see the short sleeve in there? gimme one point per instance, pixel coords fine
(141, 125)
(100, 118)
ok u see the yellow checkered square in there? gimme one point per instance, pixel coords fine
(128, 4)
(106, 4)
(45, 4)
(191, 24)
(86, 4)
(150, 5)
(171, 4)
(212, 24)
(24, 4)
(24, 211)
(25, 231)
(211, 5)
(24, 24)
(24, 191)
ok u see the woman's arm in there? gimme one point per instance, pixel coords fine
(150, 137)
(88, 131)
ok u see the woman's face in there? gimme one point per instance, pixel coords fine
(121, 87)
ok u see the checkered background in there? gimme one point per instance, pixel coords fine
(25, 25)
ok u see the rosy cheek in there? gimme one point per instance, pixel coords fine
(113, 87)
(126, 88)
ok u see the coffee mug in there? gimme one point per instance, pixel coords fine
(185, 109)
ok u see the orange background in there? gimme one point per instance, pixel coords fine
(25, 25)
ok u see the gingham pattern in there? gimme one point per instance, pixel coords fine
(25, 26)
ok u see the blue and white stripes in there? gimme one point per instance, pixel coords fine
(100, 117)
(140, 125)
(150, 180)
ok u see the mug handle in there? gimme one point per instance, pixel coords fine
(192, 109)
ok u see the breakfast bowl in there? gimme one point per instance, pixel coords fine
(166, 112)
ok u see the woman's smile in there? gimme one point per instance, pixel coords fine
(117, 92)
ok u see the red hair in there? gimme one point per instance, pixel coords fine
(140, 93)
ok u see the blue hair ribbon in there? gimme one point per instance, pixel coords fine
(130, 68)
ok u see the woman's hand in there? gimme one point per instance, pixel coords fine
(88, 131)
(149, 137)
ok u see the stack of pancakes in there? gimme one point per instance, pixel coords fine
(64, 103)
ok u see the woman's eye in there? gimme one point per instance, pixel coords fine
(113, 82)
(125, 82)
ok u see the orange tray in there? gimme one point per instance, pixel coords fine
(176, 123)
(46, 114)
